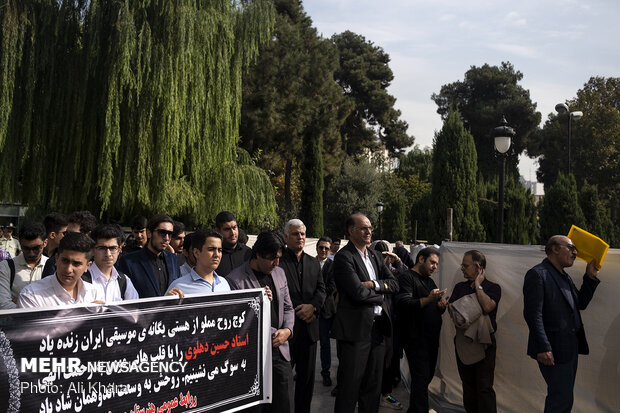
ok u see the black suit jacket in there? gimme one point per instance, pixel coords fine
(311, 292)
(329, 306)
(549, 314)
(355, 312)
(138, 267)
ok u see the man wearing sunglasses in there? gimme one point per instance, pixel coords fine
(152, 269)
(551, 308)
(24, 269)
(109, 282)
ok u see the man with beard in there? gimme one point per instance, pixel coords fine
(207, 250)
(307, 291)
(262, 271)
(233, 253)
(24, 269)
(137, 240)
(419, 306)
(152, 269)
(65, 286)
(551, 304)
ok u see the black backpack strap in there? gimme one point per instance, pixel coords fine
(88, 277)
(122, 283)
(12, 268)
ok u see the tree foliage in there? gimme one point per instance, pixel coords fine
(311, 212)
(364, 76)
(357, 188)
(520, 212)
(454, 181)
(487, 93)
(560, 208)
(127, 107)
(598, 220)
(595, 143)
(287, 94)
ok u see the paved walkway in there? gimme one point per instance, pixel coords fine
(322, 400)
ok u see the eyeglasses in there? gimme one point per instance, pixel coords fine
(369, 229)
(570, 247)
(36, 248)
(323, 248)
(164, 233)
(102, 248)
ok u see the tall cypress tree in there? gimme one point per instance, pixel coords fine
(560, 208)
(130, 106)
(454, 181)
(596, 214)
(311, 211)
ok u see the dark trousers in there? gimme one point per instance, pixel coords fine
(303, 360)
(325, 326)
(422, 358)
(560, 380)
(477, 378)
(282, 387)
(360, 369)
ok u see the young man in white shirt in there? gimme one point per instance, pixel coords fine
(109, 282)
(65, 286)
(24, 269)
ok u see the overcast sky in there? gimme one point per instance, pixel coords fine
(557, 45)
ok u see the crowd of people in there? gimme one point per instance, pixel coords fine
(377, 304)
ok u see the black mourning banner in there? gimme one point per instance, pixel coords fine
(198, 354)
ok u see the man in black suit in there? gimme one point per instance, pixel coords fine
(419, 306)
(362, 320)
(305, 284)
(328, 310)
(152, 269)
(233, 252)
(551, 305)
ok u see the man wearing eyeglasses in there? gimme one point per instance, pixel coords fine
(362, 319)
(109, 282)
(24, 269)
(551, 305)
(7, 242)
(152, 269)
(328, 310)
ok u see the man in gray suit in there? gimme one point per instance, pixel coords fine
(551, 305)
(262, 271)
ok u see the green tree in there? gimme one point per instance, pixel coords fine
(596, 213)
(364, 76)
(357, 188)
(133, 106)
(560, 208)
(487, 93)
(416, 162)
(520, 212)
(288, 93)
(311, 212)
(595, 143)
(454, 181)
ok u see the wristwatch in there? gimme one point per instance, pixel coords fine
(479, 287)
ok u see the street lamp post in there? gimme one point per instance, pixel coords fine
(379, 211)
(563, 108)
(502, 136)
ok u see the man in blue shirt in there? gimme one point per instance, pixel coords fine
(207, 249)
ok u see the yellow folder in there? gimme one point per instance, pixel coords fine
(589, 246)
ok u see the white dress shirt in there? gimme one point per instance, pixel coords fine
(371, 273)
(109, 288)
(24, 275)
(48, 292)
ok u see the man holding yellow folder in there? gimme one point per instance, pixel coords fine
(551, 305)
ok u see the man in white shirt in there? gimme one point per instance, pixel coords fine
(65, 286)
(24, 269)
(8, 243)
(109, 282)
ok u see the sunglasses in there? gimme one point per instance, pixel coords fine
(164, 233)
(324, 248)
(36, 248)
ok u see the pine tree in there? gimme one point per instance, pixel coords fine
(560, 208)
(311, 211)
(454, 181)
